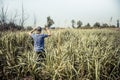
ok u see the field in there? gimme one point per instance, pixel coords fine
(71, 54)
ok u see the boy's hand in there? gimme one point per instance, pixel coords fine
(49, 33)
(46, 28)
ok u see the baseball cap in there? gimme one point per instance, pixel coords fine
(39, 28)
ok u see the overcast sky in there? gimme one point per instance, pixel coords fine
(63, 11)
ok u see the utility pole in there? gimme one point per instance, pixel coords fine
(117, 23)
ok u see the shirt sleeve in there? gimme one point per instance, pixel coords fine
(32, 35)
(45, 35)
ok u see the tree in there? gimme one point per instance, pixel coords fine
(73, 23)
(88, 25)
(13, 18)
(105, 25)
(29, 28)
(117, 23)
(97, 24)
(50, 22)
(3, 16)
(79, 23)
(7, 23)
(23, 17)
(112, 26)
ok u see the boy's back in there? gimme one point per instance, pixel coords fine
(39, 38)
(38, 41)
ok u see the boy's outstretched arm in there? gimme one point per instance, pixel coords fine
(32, 31)
(48, 31)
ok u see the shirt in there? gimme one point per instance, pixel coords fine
(38, 41)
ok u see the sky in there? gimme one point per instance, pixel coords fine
(63, 11)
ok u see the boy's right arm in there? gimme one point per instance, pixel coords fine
(32, 31)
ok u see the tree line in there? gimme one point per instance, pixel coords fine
(10, 24)
(95, 25)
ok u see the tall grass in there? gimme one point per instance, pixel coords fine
(70, 55)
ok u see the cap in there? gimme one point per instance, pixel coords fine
(39, 28)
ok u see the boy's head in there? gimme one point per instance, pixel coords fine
(38, 29)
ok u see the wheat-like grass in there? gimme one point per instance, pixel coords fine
(71, 54)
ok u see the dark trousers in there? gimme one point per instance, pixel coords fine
(41, 56)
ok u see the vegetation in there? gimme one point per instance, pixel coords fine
(88, 25)
(79, 23)
(97, 24)
(9, 23)
(73, 23)
(71, 54)
(105, 25)
(50, 22)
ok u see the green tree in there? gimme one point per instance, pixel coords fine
(97, 24)
(3, 16)
(105, 25)
(112, 26)
(50, 22)
(73, 23)
(29, 28)
(79, 23)
(88, 25)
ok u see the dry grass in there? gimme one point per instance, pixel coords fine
(71, 54)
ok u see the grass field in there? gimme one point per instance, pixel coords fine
(71, 54)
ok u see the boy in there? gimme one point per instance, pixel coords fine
(38, 39)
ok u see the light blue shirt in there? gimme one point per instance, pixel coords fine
(38, 41)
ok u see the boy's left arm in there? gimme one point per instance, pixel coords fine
(48, 31)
